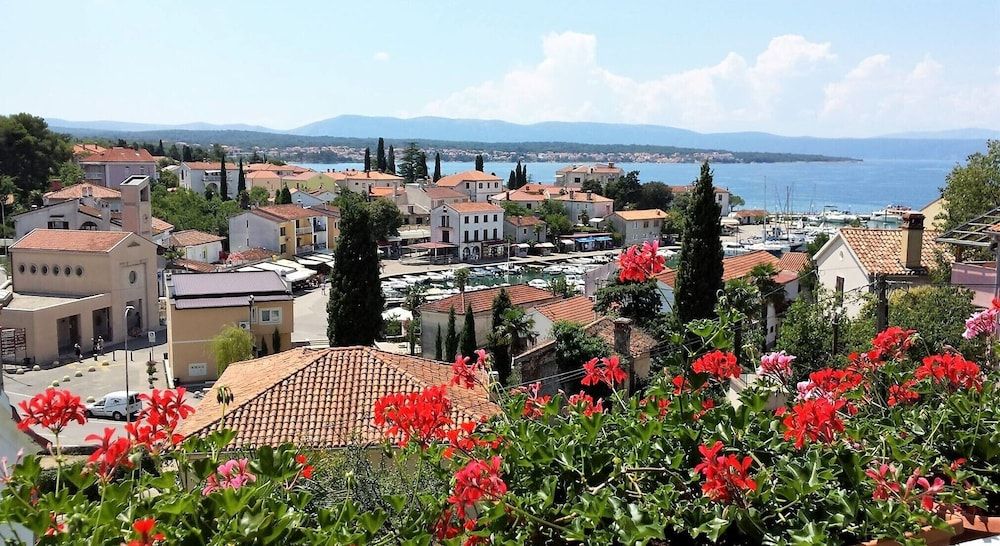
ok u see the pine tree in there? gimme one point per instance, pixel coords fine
(380, 155)
(451, 339)
(241, 179)
(422, 164)
(391, 167)
(368, 159)
(479, 162)
(354, 310)
(409, 167)
(512, 181)
(438, 353)
(186, 154)
(468, 343)
(699, 274)
(437, 166)
(284, 196)
(244, 199)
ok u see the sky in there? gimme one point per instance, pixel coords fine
(832, 68)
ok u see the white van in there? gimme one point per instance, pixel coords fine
(114, 405)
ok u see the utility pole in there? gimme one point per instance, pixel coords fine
(882, 303)
(839, 294)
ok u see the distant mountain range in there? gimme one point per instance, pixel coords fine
(950, 145)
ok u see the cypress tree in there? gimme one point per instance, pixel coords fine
(159, 149)
(501, 303)
(380, 155)
(468, 342)
(286, 196)
(354, 310)
(241, 179)
(451, 338)
(524, 176)
(699, 273)
(223, 181)
(368, 159)
(186, 154)
(438, 353)
(479, 162)
(422, 166)
(511, 181)
(437, 166)
(391, 167)
(501, 343)
(244, 199)
(517, 175)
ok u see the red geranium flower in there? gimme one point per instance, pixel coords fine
(718, 364)
(638, 264)
(951, 370)
(534, 405)
(110, 454)
(605, 370)
(833, 383)
(813, 420)
(53, 410)
(465, 375)
(903, 394)
(145, 528)
(891, 343)
(477, 481)
(585, 403)
(306, 469)
(725, 475)
(423, 416)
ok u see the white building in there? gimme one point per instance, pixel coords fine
(722, 197)
(581, 206)
(199, 175)
(578, 174)
(478, 185)
(363, 181)
(637, 226)
(477, 229)
(286, 229)
(197, 245)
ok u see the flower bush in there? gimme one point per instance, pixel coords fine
(876, 448)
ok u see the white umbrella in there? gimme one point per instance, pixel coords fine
(397, 313)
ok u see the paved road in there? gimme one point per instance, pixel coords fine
(310, 317)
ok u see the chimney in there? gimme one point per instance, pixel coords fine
(88, 191)
(912, 240)
(590, 196)
(105, 215)
(623, 340)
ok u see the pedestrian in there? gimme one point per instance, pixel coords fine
(100, 345)
(79, 352)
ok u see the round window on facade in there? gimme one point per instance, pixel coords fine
(55, 270)
(79, 271)
(20, 268)
(67, 270)
(132, 277)
(34, 269)
(45, 270)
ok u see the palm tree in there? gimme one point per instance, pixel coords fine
(461, 278)
(519, 328)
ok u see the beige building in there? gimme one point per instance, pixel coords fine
(286, 230)
(578, 174)
(638, 226)
(200, 305)
(477, 185)
(71, 286)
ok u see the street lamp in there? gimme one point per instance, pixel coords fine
(250, 328)
(128, 414)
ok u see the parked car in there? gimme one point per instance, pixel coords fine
(114, 405)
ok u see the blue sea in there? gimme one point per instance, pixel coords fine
(859, 187)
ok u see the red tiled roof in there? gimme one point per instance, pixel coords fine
(640, 342)
(435, 192)
(524, 221)
(323, 398)
(482, 300)
(370, 175)
(682, 189)
(878, 250)
(192, 237)
(384, 192)
(89, 210)
(250, 255)
(750, 213)
(582, 197)
(209, 165)
(78, 191)
(252, 167)
(734, 267)
(159, 226)
(111, 155)
(470, 207)
(254, 175)
(793, 261)
(87, 149)
(578, 309)
(70, 240)
(285, 212)
(521, 195)
(453, 180)
(643, 214)
(192, 265)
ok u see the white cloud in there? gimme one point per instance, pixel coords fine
(790, 86)
(381, 56)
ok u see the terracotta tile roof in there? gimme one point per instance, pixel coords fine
(323, 398)
(123, 155)
(582, 197)
(371, 175)
(285, 212)
(878, 250)
(435, 192)
(482, 300)
(70, 240)
(301, 176)
(682, 189)
(750, 213)
(252, 167)
(524, 221)
(385, 192)
(335, 175)
(521, 195)
(602, 168)
(644, 214)
(209, 165)
(192, 237)
(159, 226)
(640, 342)
(268, 175)
(78, 191)
(734, 267)
(87, 149)
(793, 261)
(453, 180)
(471, 207)
(192, 265)
(93, 212)
(577, 309)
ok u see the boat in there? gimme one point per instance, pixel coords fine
(539, 283)
(730, 249)
(770, 246)
(572, 270)
(413, 279)
(835, 216)
(891, 215)
(509, 268)
(436, 277)
(554, 269)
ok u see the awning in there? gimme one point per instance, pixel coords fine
(430, 246)
(545, 245)
(522, 245)
(567, 241)
(603, 239)
(305, 261)
(586, 240)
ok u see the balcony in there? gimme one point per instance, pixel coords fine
(303, 230)
(302, 249)
(317, 226)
